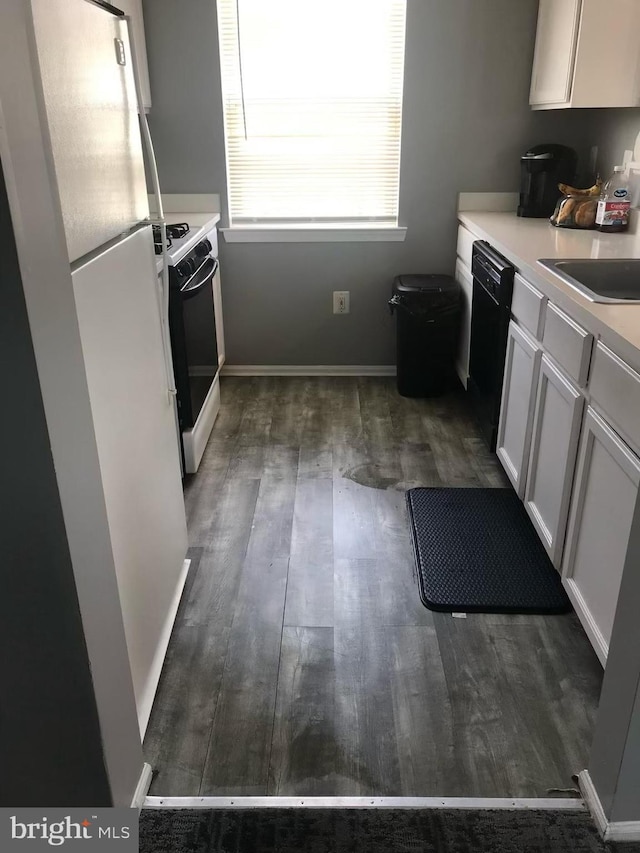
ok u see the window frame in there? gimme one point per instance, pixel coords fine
(311, 229)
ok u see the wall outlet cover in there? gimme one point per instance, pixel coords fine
(341, 301)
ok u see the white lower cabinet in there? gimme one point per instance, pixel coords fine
(554, 442)
(602, 509)
(518, 396)
(547, 434)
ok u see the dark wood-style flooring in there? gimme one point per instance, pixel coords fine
(302, 661)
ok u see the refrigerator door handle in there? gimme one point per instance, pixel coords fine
(160, 220)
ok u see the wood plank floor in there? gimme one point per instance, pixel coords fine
(302, 661)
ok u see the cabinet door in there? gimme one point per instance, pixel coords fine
(556, 38)
(556, 428)
(133, 8)
(518, 401)
(464, 247)
(465, 280)
(602, 508)
(607, 29)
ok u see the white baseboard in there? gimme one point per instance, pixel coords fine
(309, 370)
(592, 800)
(146, 701)
(547, 803)
(623, 830)
(142, 788)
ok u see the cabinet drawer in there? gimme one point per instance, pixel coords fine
(568, 343)
(615, 388)
(527, 306)
(465, 245)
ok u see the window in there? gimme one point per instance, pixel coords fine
(312, 93)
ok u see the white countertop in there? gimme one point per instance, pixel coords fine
(200, 225)
(523, 241)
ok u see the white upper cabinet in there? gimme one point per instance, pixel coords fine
(556, 38)
(587, 54)
(133, 8)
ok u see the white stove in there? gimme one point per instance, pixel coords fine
(195, 319)
(199, 225)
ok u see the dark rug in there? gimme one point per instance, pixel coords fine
(369, 831)
(477, 551)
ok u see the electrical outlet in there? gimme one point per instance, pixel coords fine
(340, 301)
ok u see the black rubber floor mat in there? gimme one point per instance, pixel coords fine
(363, 830)
(476, 551)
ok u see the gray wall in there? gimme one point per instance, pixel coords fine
(50, 745)
(186, 115)
(614, 131)
(466, 121)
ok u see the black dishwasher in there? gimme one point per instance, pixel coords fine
(490, 313)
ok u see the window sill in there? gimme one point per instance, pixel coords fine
(314, 234)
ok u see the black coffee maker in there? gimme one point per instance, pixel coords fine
(542, 168)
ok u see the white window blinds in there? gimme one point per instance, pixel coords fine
(312, 93)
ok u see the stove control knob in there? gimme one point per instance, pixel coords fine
(203, 249)
(186, 268)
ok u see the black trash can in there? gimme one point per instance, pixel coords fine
(428, 312)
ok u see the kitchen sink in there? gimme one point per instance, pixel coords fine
(601, 279)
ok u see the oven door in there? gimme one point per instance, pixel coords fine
(489, 323)
(194, 346)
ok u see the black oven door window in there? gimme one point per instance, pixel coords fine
(193, 341)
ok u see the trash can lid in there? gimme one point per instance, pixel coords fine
(424, 283)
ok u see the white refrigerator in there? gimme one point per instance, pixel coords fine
(91, 115)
